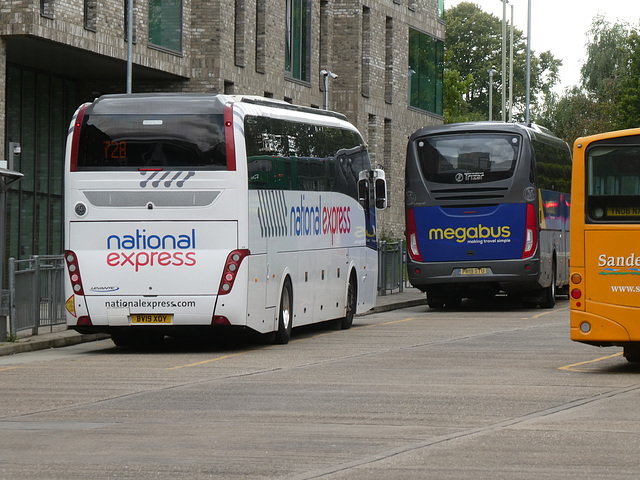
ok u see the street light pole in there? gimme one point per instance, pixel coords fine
(327, 74)
(491, 72)
(504, 57)
(129, 44)
(511, 70)
(526, 117)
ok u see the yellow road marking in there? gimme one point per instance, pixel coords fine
(207, 361)
(547, 312)
(389, 323)
(8, 368)
(570, 367)
(211, 360)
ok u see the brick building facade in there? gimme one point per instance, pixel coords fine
(56, 54)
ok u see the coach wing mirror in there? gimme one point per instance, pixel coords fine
(376, 179)
(363, 189)
(380, 189)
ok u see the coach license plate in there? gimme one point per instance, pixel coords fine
(473, 271)
(152, 319)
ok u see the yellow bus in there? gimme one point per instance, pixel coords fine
(605, 241)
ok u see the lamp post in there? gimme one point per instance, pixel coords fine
(491, 72)
(327, 74)
(511, 70)
(129, 44)
(504, 57)
(526, 116)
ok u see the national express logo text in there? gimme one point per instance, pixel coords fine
(149, 250)
(479, 234)
(306, 219)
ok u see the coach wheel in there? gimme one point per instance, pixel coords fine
(352, 304)
(435, 300)
(124, 339)
(453, 301)
(549, 293)
(285, 317)
(632, 353)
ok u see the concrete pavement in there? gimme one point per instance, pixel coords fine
(59, 336)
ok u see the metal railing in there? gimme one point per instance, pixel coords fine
(36, 292)
(392, 261)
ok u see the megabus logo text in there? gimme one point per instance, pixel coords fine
(151, 250)
(477, 234)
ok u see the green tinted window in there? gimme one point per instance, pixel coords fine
(426, 70)
(165, 24)
(284, 155)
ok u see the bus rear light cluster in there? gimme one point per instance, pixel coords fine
(84, 321)
(576, 293)
(220, 320)
(75, 139)
(74, 272)
(412, 237)
(531, 235)
(231, 267)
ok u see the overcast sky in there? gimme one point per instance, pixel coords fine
(560, 26)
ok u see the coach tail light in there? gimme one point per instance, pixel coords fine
(231, 267)
(412, 237)
(74, 272)
(531, 235)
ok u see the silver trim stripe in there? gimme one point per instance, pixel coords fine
(172, 198)
(272, 213)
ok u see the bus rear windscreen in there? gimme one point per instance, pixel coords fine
(482, 157)
(613, 183)
(167, 142)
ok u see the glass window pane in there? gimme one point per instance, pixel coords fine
(165, 24)
(426, 70)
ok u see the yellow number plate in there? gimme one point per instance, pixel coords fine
(623, 211)
(473, 271)
(155, 318)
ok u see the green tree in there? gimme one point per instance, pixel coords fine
(473, 44)
(454, 88)
(629, 96)
(608, 52)
(575, 114)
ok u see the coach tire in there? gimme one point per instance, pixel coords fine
(435, 300)
(285, 316)
(632, 352)
(352, 304)
(124, 339)
(549, 293)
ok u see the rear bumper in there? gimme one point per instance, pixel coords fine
(508, 275)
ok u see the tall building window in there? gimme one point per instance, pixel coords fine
(426, 70)
(91, 14)
(39, 106)
(46, 8)
(441, 9)
(165, 24)
(261, 36)
(298, 39)
(366, 51)
(239, 31)
(388, 61)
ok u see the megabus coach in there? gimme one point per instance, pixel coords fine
(487, 211)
